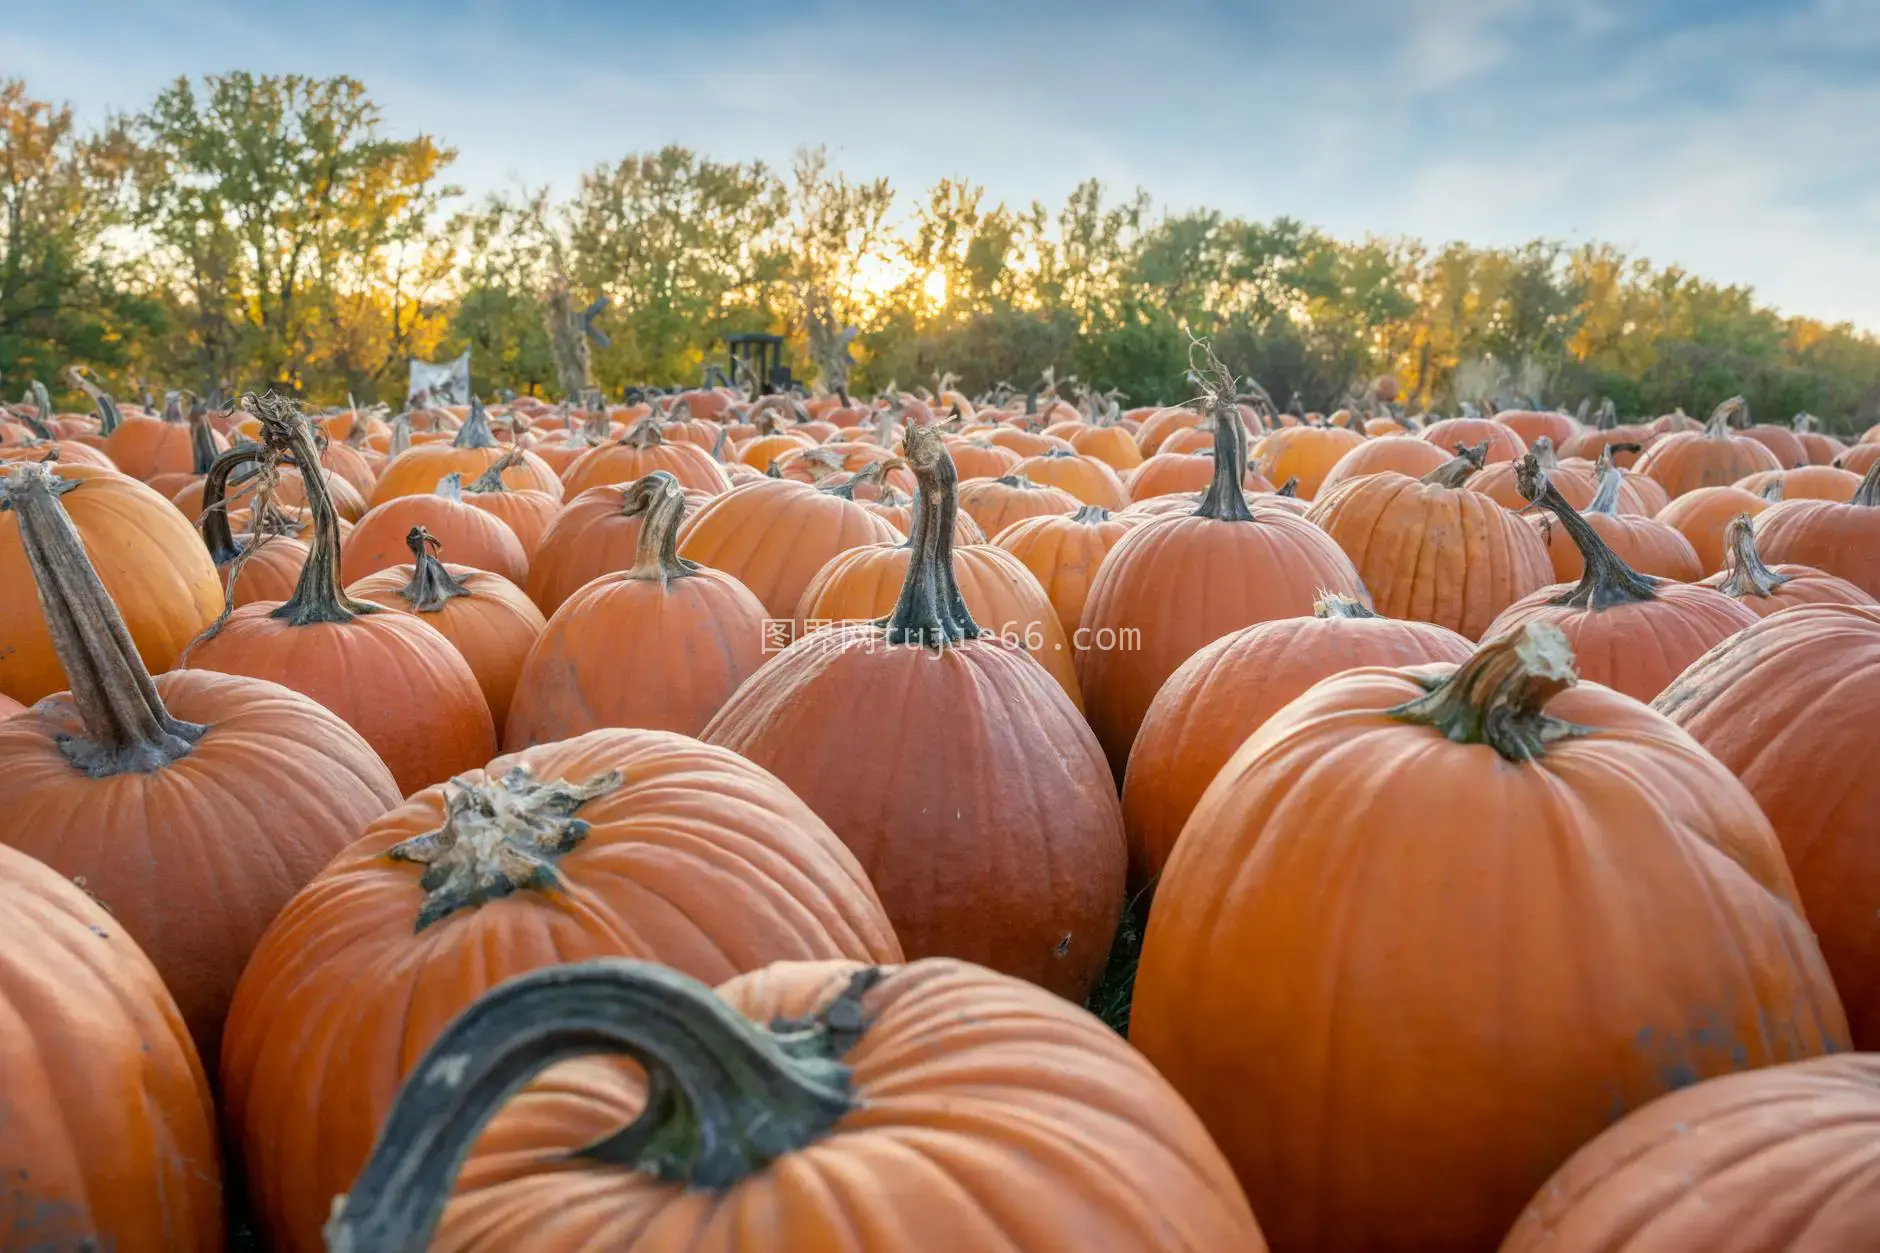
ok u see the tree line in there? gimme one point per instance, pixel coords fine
(248, 230)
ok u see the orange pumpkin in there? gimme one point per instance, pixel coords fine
(1063, 553)
(525, 511)
(614, 843)
(1687, 460)
(1624, 444)
(1228, 690)
(1780, 1158)
(417, 470)
(1805, 482)
(1703, 515)
(1764, 589)
(1631, 632)
(1578, 482)
(1076, 1145)
(1504, 444)
(1113, 445)
(1781, 706)
(775, 535)
(1405, 454)
(1860, 458)
(1511, 910)
(1089, 480)
(151, 563)
(688, 636)
(1841, 539)
(1822, 449)
(1306, 453)
(1646, 544)
(1162, 423)
(1532, 424)
(109, 1135)
(1784, 443)
(1174, 584)
(984, 815)
(144, 446)
(637, 454)
(394, 679)
(982, 459)
(484, 615)
(1181, 473)
(146, 790)
(897, 510)
(204, 447)
(596, 533)
(1430, 549)
(997, 503)
(476, 537)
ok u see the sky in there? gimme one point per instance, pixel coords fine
(1739, 139)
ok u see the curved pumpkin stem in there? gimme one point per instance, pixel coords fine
(491, 480)
(127, 729)
(643, 434)
(931, 610)
(319, 595)
(432, 585)
(661, 501)
(1606, 498)
(475, 431)
(1718, 427)
(726, 1097)
(1090, 515)
(1744, 573)
(1868, 493)
(216, 534)
(1498, 696)
(1338, 605)
(1288, 489)
(1456, 471)
(201, 440)
(1608, 581)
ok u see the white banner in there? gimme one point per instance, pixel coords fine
(448, 382)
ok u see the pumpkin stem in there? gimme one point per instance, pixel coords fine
(1090, 515)
(1456, 471)
(39, 421)
(596, 425)
(726, 1096)
(1608, 581)
(1720, 418)
(1226, 497)
(216, 534)
(475, 431)
(1744, 573)
(643, 434)
(432, 585)
(201, 440)
(1544, 453)
(450, 487)
(661, 501)
(1606, 498)
(1868, 493)
(1288, 489)
(1497, 697)
(873, 474)
(931, 610)
(1803, 423)
(127, 729)
(491, 480)
(318, 596)
(1337, 605)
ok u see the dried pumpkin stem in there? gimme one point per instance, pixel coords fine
(657, 558)
(127, 729)
(319, 595)
(1456, 471)
(475, 431)
(1744, 573)
(1608, 582)
(1498, 696)
(725, 1096)
(1336, 605)
(931, 610)
(1606, 498)
(432, 585)
(1718, 427)
(491, 480)
(201, 440)
(216, 533)
(1868, 493)
(1090, 515)
(1226, 497)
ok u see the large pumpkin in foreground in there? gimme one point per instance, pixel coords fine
(1430, 930)
(1790, 707)
(615, 843)
(933, 1108)
(1782, 1160)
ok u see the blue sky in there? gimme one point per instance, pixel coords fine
(1738, 138)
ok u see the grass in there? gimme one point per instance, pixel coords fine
(1111, 998)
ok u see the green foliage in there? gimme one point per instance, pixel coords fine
(269, 232)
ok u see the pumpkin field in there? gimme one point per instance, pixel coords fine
(924, 822)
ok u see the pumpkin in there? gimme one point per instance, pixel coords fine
(1089, 480)
(1687, 460)
(1532, 424)
(1406, 454)
(191, 806)
(1110, 443)
(525, 511)
(1306, 453)
(109, 1136)
(1504, 444)
(1175, 584)
(1430, 549)
(1646, 544)
(1225, 692)
(805, 1085)
(615, 843)
(1860, 458)
(1780, 1158)
(1632, 632)
(1785, 707)
(1841, 539)
(1703, 515)
(1763, 589)
(151, 563)
(1624, 444)
(1783, 442)
(596, 533)
(1063, 553)
(984, 814)
(982, 459)
(1805, 482)
(637, 454)
(1171, 473)
(144, 446)
(1822, 449)
(473, 449)
(486, 617)
(204, 447)
(862, 585)
(476, 537)
(1431, 929)
(1577, 482)
(1159, 425)
(775, 535)
(687, 635)
(394, 679)
(995, 504)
